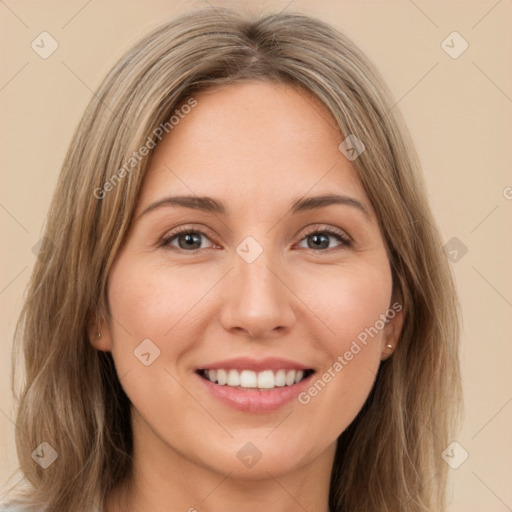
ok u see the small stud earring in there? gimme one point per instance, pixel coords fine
(389, 346)
(99, 335)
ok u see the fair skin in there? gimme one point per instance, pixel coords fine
(256, 147)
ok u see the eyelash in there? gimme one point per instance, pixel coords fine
(339, 235)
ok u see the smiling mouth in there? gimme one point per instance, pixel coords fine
(251, 380)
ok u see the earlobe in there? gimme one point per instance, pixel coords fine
(100, 343)
(392, 334)
(387, 352)
(99, 336)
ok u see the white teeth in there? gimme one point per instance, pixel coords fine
(233, 378)
(248, 379)
(290, 377)
(222, 377)
(267, 379)
(280, 379)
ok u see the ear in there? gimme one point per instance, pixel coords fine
(392, 330)
(99, 334)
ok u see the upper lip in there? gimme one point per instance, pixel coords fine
(257, 365)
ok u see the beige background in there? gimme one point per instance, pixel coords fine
(459, 112)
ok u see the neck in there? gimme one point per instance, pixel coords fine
(163, 479)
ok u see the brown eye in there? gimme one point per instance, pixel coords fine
(188, 240)
(319, 240)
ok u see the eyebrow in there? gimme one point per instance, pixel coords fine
(209, 204)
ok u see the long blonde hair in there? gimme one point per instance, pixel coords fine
(389, 458)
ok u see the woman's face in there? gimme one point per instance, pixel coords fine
(253, 289)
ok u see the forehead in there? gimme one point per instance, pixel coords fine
(256, 142)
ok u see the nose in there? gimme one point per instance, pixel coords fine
(259, 299)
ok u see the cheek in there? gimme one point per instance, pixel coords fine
(151, 300)
(349, 302)
(169, 307)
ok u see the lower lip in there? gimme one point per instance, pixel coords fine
(254, 400)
